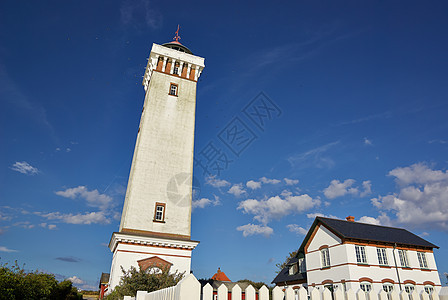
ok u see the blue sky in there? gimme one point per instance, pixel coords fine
(352, 103)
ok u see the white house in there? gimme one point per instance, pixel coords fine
(352, 255)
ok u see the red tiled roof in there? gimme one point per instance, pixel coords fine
(221, 276)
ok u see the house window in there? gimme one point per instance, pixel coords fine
(329, 286)
(365, 286)
(325, 253)
(388, 287)
(429, 289)
(173, 89)
(422, 260)
(159, 214)
(403, 258)
(293, 269)
(302, 265)
(409, 288)
(382, 256)
(360, 254)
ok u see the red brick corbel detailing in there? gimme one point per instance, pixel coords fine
(365, 279)
(154, 261)
(323, 247)
(328, 281)
(409, 281)
(388, 280)
(428, 282)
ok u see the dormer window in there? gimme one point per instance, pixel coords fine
(293, 269)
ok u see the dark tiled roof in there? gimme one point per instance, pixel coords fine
(283, 275)
(376, 233)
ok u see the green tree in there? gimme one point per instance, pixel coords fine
(151, 279)
(16, 283)
(280, 266)
(256, 285)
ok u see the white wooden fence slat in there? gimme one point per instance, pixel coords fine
(350, 295)
(207, 292)
(382, 295)
(443, 295)
(263, 293)
(250, 293)
(236, 292)
(222, 292)
(289, 293)
(394, 295)
(302, 293)
(277, 293)
(326, 294)
(315, 294)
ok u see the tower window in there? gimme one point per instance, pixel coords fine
(176, 69)
(159, 213)
(173, 89)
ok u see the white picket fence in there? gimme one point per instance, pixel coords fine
(189, 288)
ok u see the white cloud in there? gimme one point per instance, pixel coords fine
(291, 181)
(422, 197)
(93, 198)
(314, 215)
(253, 184)
(202, 203)
(24, 168)
(237, 190)
(5, 249)
(369, 220)
(49, 226)
(76, 280)
(367, 185)
(367, 142)
(269, 181)
(252, 229)
(86, 218)
(278, 206)
(25, 225)
(140, 13)
(217, 183)
(297, 229)
(338, 189)
(418, 173)
(68, 150)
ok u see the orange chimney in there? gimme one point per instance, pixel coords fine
(350, 218)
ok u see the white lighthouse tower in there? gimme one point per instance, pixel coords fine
(156, 220)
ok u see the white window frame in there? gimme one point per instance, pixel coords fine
(361, 257)
(388, 287)
(302, 265)
(382, 256)
(325, 255)
(365, 286)
(173, 89)
(422, 260)
(429, 289)
(403, 255)
(409, 287)
(159, 214)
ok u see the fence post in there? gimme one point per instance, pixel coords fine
(326, 294)
(394, 295)
(338, 294)
(277, 293)
(207, 292)
(382, 295)
(361, 295)
(263, 293)
(250, 293)
(189, 288)
(315, 294)
(236, 292)
(443, 295)
(350, 295)
(302, 293)
(223, 292)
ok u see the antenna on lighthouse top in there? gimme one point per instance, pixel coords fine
(177, 37)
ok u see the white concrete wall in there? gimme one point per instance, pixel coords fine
(164, 149)
(127, 255)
